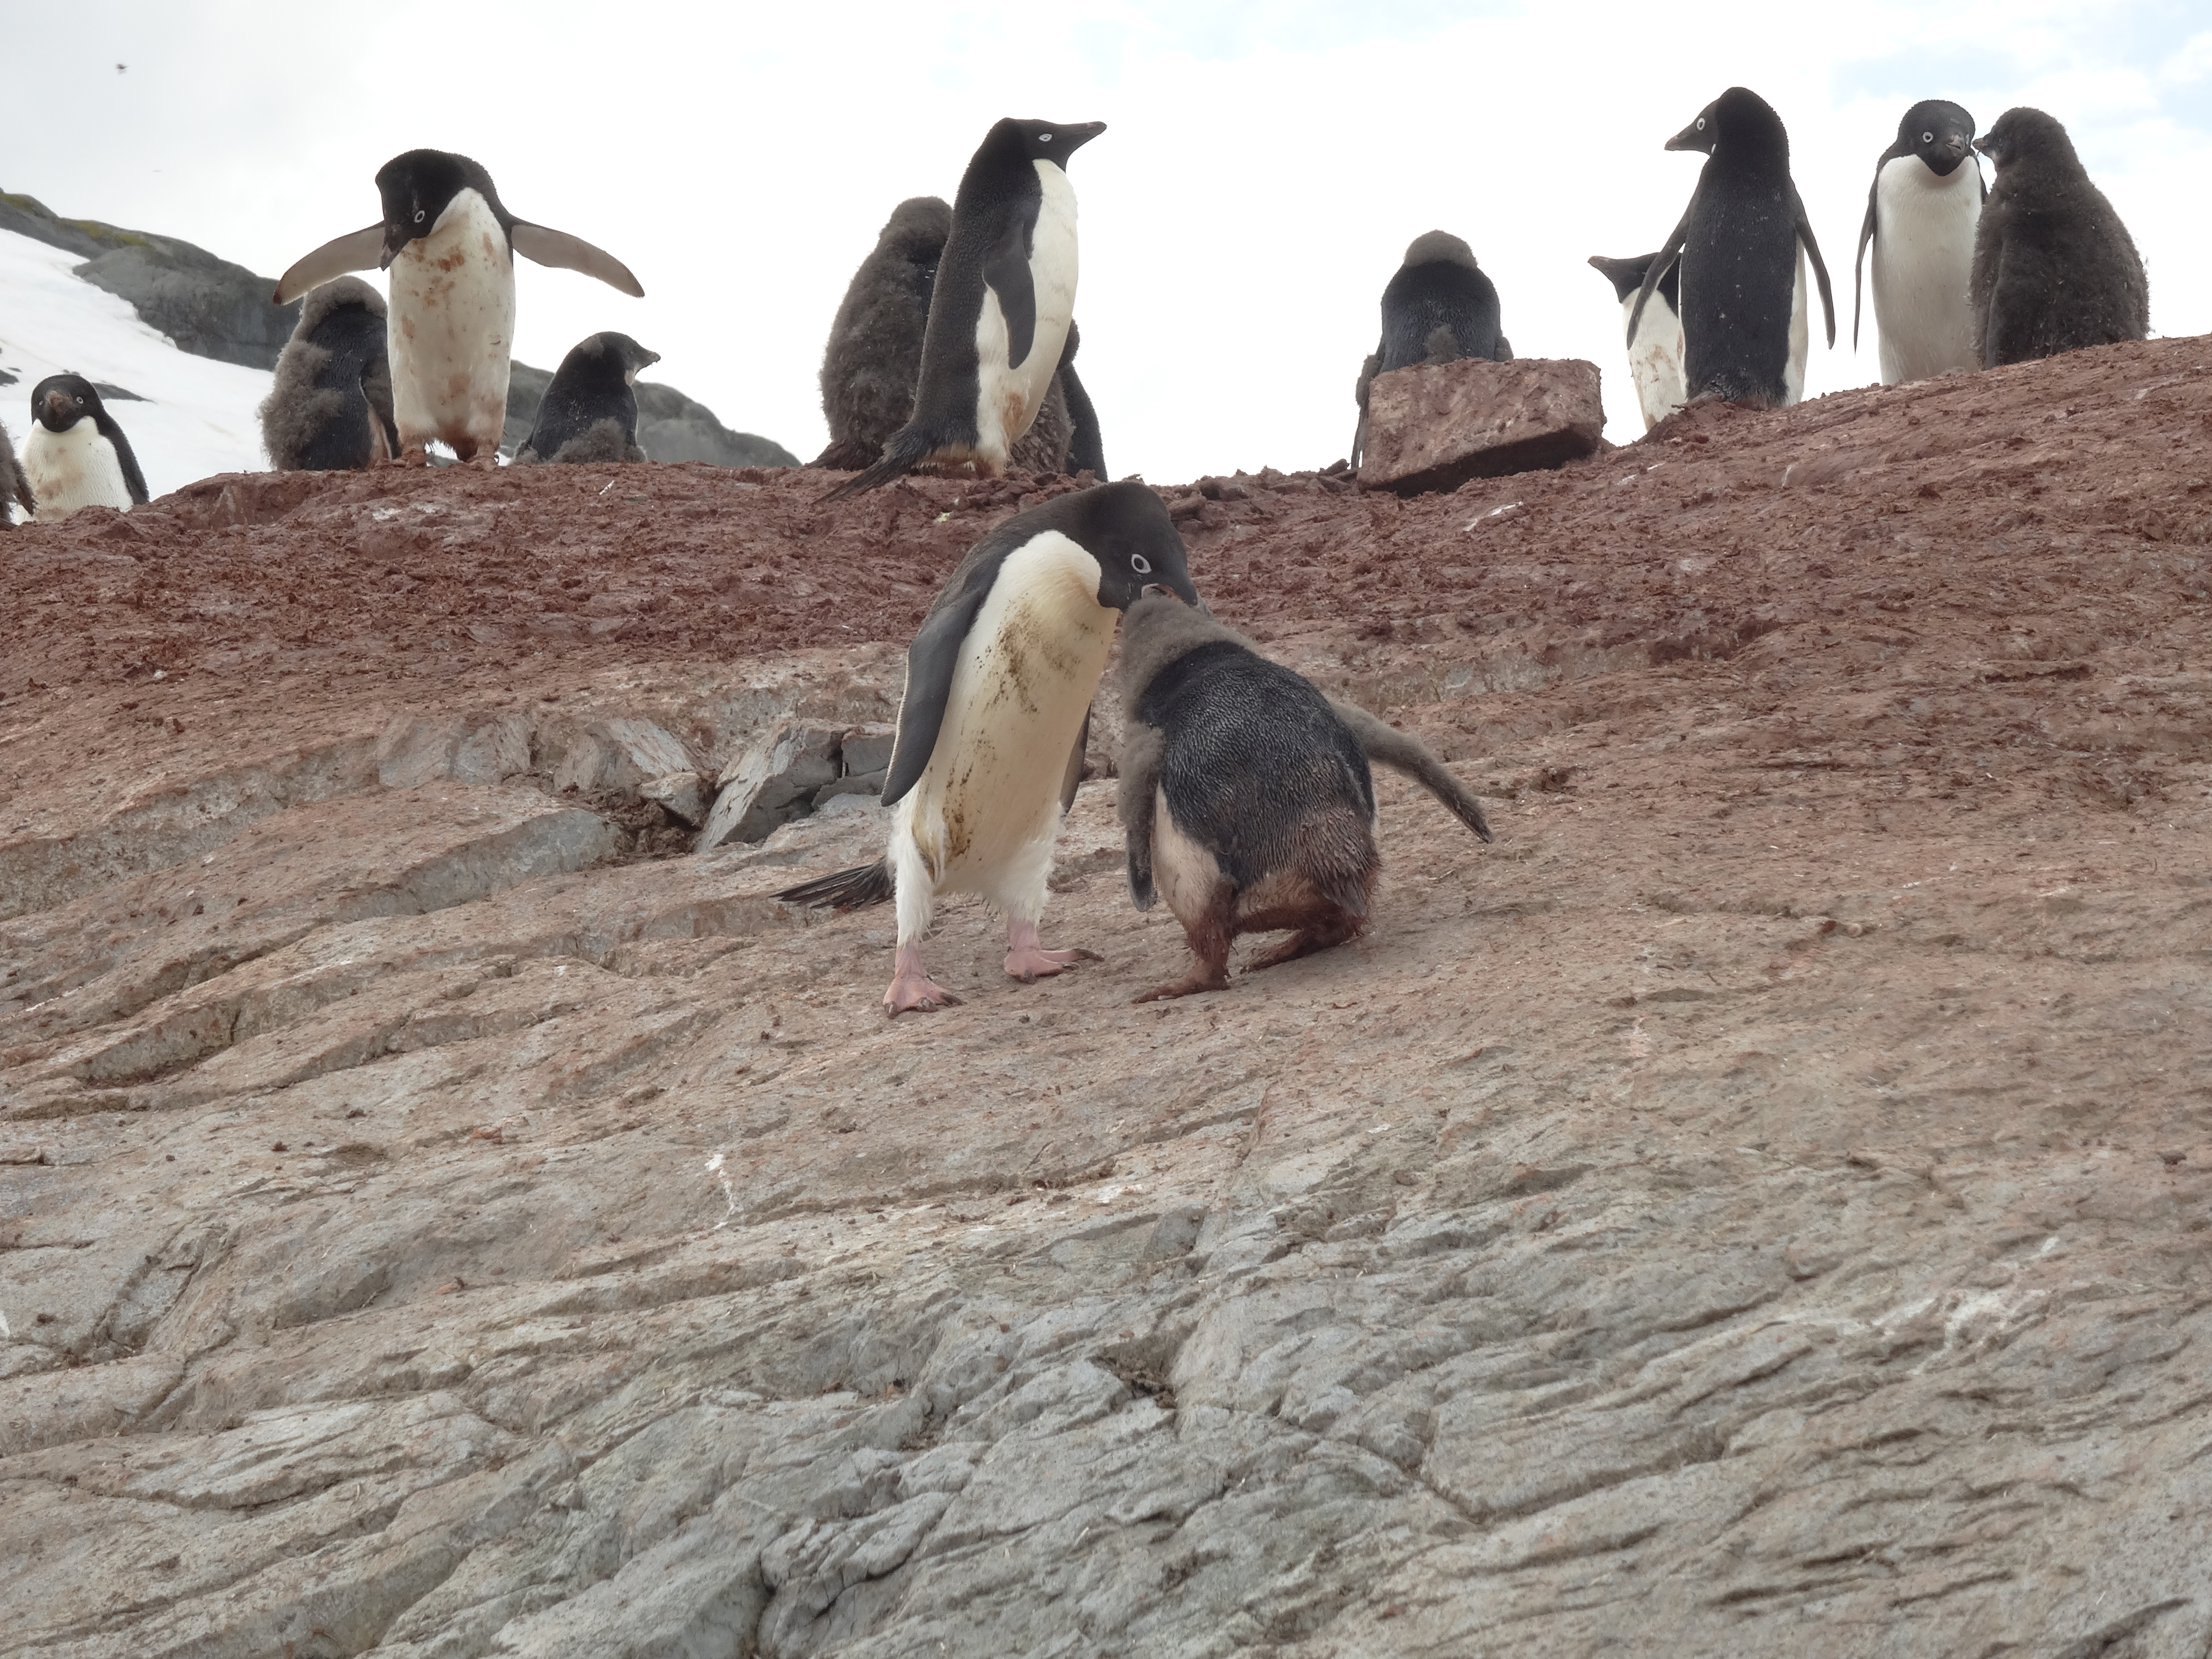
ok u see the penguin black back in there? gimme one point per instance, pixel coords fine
(1439, 285)
(873, 359)
(1086, 449)
(590, 409)
(330, 408)
(1737, 246)
(2054, 268)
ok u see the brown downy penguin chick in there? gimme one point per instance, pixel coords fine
(14, 486)
(590, 409)
(1438, 307)
(330, 408)
(2054, 268)
(1245, 793)
(874, 356)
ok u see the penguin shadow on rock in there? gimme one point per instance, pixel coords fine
(993, 720)
(2054, 268)
(1246, 795)
(1922, 210)
(1439, 307)
(15, 488)
(999, 310)
(75, 455)
(330, 408)
(1655, 346)
(589, 412)
(449, 243)
(1742, 248)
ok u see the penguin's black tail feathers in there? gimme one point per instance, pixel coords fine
(1402, 751)
(848, 890)
(904, 451)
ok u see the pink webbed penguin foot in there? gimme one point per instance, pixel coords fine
(912, 990)
(1029, 962)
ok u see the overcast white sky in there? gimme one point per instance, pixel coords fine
(1265, 165)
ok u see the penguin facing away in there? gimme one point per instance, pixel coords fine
(75, 455)
(873, 358)
(999, 310)
(1086, 448)
(1655, 352)
(1245, 793)
(1923, 210)
(449, 243)
(14, 486)
(990, 728)
(331, 407)
(2054, 268)
(590, 409)
(1437, 308)
(1741, 246)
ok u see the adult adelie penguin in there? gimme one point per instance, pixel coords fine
(75, 455)
(999, 310)
(1654, 350)
(2054, 268)
(1438, 307)
(15, 488)
(331, 407)
(590, 412)
(1741, 246)
(449, 243)
(999, 684)
(1246, 796)
(1922, 212)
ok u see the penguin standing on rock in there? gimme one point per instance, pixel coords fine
(1440, 307)
(2054, 268)
(1246, 796)
(331, 407)
(1742, 245)
(75, 455)
(999, 309)
(991, 729)
(1654, 349)
(1922, 212)
(874, 356)
(590, 411)
(14, 486)
(449, 244)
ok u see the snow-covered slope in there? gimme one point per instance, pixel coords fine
(199, 417)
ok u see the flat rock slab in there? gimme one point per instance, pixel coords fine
(1435, 425)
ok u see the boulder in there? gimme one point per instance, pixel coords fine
(1435, 425)
(772, 782)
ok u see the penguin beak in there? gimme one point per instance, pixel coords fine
(59, 410)
(1075, 137)
(1185, 595)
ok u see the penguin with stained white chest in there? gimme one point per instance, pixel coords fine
(1246, 796)
(449, 243)
(1654, 349)
(1742, 245)
(330, 408)
(1922, 210)
(75, 455)
(998, 309)
(991, 729)
(590, 409)
(1437, 308)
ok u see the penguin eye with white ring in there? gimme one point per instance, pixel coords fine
(418, 215)
(1044, 138)
(1701, 123)
(1927, 137)
(1140, 564)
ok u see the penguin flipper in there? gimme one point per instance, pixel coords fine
(1072, 779)
(1006, 271)
(133, 479)
(1820, 266)
(1669, 255)
(357, 249)
(848, 890)
(562, 252)
(1866, 235)
(930, 662)
(1402, 751)
(1136, 800)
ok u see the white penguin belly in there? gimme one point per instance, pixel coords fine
(1009, 395)
(1801, 337)
(71, 469)
(1654, 358)
(984, 812)
(1923, 262)
(451, 330)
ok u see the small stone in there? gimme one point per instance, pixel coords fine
(1435, 426)
(685, 794)
(868, 749)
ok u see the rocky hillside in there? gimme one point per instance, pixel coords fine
(1760, 1202)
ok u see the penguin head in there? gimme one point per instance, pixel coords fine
(1125, 528)
(417, 187)
(1738, 116)
(1939, 132)
(621, 348)
(2027, 135)
(1041, 141)
(60, 401)
(1434, 247)
(1626, 276)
